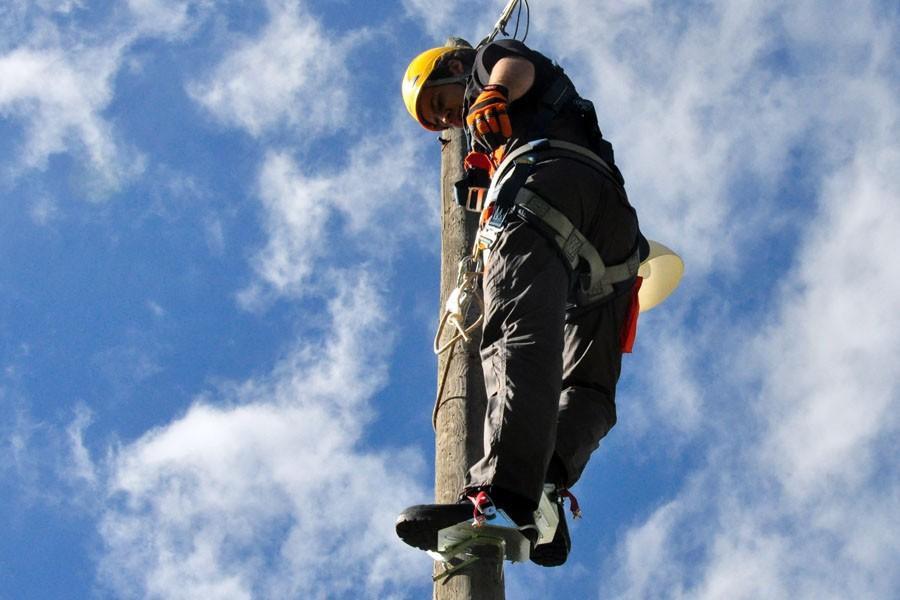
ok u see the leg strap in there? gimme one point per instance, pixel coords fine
(599, 280)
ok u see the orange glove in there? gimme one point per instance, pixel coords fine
(488, 117)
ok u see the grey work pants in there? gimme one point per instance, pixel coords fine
(550, 379)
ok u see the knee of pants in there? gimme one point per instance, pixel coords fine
(588, 402)
(585, 417)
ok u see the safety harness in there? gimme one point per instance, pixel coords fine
(499, 194)
(507, 195)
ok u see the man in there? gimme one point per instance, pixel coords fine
(559, 286)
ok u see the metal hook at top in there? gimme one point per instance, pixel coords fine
(501, 22)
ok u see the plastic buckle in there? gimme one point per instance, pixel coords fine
(475, 199)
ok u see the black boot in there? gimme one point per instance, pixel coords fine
(419, 525)
(556, 551)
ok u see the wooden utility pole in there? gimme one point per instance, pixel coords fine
(460, 419)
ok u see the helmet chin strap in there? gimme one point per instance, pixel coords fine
(460, 79)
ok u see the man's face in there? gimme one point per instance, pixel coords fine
(441, 106)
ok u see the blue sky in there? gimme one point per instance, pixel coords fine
(218, 287)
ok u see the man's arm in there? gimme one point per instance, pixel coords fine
(515, 73)
(510, 78)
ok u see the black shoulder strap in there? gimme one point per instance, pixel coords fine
(557, 96)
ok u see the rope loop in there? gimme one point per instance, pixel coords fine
(456, 310)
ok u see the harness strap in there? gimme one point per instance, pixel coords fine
(599, 280)
(557, 95)
(508, 194)
(543, 145)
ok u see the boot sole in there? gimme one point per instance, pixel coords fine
(556, 551)
(419, 525)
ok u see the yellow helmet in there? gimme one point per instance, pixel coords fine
(416, 79)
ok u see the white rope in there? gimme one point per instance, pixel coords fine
(456, 309)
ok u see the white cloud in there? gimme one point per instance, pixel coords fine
(44, 210)
(58, 6)
(798, 493)
(59, 93)
(681, 95)
(45, 464)
(371, 207)
(156, 309)
(297, 211)
(82, 466)
(273, 495)
(833, 359)
(670, 391)
(18, 429)
(434, 15)
(161, 16)
(643, 558)
(470, 19)
(57, 80)
(293, 74)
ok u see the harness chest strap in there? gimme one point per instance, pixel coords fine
(544, 146)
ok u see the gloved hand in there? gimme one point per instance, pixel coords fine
(488, 119)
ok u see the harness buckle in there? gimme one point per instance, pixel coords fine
(471, 190)
(475, 199)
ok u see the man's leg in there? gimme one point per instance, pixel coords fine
(525, 285)
(587, 409)
(599, 208)
(592, 362)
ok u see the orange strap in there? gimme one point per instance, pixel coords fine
(497, 157)
(629, 328)
(478, 160)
